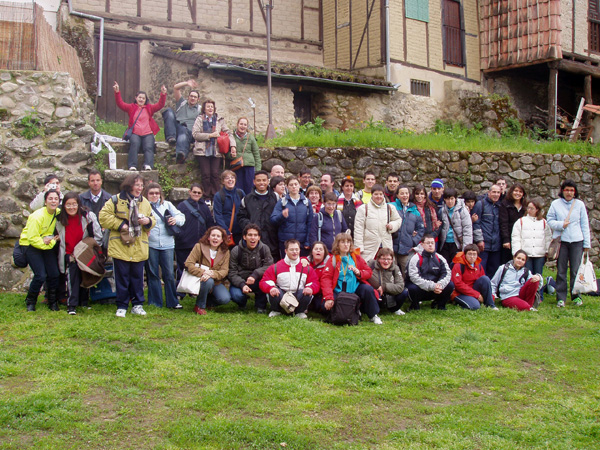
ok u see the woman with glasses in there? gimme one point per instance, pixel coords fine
(388, 282)
(162, 248)
(74, 223)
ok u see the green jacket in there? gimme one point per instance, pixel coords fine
(39, 224)
(113, 217)
(251, 153)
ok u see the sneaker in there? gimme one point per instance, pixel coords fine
(71, 311)
(132, 168)
(121, 312)
(376, 320)
(549, 285)
(274, 314)
(147, 168)
(138, 310)
(577, 301)
(261, 311)
(180, 158)
(301, 316)
(532, 309)
(494, 308)
(399, 312)
(560, 304)
(171, 141)
(178, 306)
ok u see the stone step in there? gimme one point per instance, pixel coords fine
(123, 147)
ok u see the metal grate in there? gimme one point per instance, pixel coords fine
(594, 39)
(419, 87)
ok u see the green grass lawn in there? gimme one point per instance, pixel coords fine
(237, 380)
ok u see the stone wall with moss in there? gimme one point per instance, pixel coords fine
(541, 174)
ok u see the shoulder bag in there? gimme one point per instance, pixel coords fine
(238, 163)
(129, 131)
(189, 284)
(554, 248)
(173, 230)
(288, 301)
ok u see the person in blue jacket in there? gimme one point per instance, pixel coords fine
(327, 223)
(568, 219)
(486, 230)
(412, 229)
(293, 215)
(227, 203)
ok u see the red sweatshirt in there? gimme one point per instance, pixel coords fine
(463, 282)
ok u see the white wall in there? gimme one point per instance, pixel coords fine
(50, 9)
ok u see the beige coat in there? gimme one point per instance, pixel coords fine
(201, 138)
(200, 255)
(370, 230)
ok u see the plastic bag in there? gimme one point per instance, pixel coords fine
(586, 277)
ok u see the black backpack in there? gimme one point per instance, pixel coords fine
(345, 310)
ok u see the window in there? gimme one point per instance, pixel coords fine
(453, 34)
(417, 9)
(594, 28)
(419, 87)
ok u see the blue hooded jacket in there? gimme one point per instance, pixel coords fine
(297, 224)
(404, 241)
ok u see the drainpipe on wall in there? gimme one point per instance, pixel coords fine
(101, 50)
(387, 41)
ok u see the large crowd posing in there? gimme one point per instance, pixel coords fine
(291, 244)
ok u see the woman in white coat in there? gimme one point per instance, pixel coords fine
(374, 224)
(532, 234)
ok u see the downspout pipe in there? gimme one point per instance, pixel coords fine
(101, 50)
(387, 42)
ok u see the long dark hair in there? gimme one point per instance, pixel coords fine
(419, 188)
(63, 217)
(509, 194)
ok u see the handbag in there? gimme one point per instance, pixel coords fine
(189, 284)
(288, 301)
(129, 131)
(585, 281)
(172, 230)
(127, 238)
(20, 255)
(230, 242)
(238, 163)
(554, 248)
(223, 143)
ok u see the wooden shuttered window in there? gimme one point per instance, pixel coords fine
(453, 33)
(594, 25)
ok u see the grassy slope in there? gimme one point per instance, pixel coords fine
(237, 380)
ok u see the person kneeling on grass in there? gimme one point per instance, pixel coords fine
(289, 275)
(388, 282)
(249, 261)
(514, 284)
(471, 286)
(347, 271)
(428, 276)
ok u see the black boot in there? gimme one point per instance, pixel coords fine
(30, 301)
(52, 300)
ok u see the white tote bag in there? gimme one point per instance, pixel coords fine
(586, 277)
(189, 284)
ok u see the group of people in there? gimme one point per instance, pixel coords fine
(191, 123)
(389, 244)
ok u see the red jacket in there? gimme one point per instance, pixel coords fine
(331, 274)
(463, 282)
(132, 110)
(283, 280)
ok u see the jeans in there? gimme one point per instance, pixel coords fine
(245, 179)
(129, 282)
(210, 173)
(219, 294)
(180, 132)
(303, 302)
(417, 295)
(569, 256)
(141, 144)
(44, 265)
(260, 298)
(490, 261)
(536, 265)
(163, 259)
(482, 285)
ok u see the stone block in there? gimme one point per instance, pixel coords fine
(364, 162)
(301, 153)
(459, 167)
(268, 165)
(26, 191)
(553, 180)
(519, 175)
(312, 161)
(179, 194)
(75, 157)
(321, 153)
(59, 144)
(286, 155)
(295, 166)
(346, 164)
(328, 160)
(41, 163)
(8, 87)
(63, 111)
(557, 167)
(86, 130)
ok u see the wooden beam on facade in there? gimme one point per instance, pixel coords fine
(552, 91)
(579, 68)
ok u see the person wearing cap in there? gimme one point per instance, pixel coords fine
(348, 202)
(437, 192)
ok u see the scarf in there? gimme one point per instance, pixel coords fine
(421, 208)
(241, 136)
(209, 125)
(135, 229)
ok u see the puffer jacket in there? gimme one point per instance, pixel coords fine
(487, 227)
(200, 256)
(86, 219)
(113, 216)
(297, 224)
(461, 224)
(532, 236)
(512, 282)
(244, 263)
(370, 231)
(390, 279)
(411, 223)
(201, 138)
(464, 275)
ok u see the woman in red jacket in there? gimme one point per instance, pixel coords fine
(347, 271)
(144, 126)
(471, 285)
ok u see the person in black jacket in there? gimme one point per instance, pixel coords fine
(512, 208)
(248, 262)
(95, 198)
(256, 207)
(198, 219)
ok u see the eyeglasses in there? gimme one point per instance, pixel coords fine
(153, 193)
(385, 259)
(229, 178)
(71, 206)
(197, 192)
